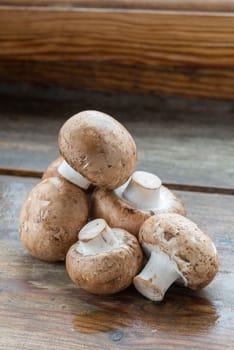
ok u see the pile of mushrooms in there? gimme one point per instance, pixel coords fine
(123, 218)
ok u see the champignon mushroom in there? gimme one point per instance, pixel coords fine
(53, 213)
(130, 205)
(104, 260)
(97, 149)
(178, 251)
(52, 169)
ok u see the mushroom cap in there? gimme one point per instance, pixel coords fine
(52, 215)
(99, 148)
(106, 272)
(183, 241)
(118, 212)
(52, 169)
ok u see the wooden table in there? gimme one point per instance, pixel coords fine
(190, 145)
(182, 47)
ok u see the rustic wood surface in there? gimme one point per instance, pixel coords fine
(41, 309)
(189, 143)
(168, 52)
(192, 5)
(184, 142)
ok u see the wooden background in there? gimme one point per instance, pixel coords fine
(190, 145)
(173, 47)
(192, 5)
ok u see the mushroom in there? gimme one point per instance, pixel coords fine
(104, 260)
(178, 251)
(97, 149)
(131, 204)
(52, 169)
(54, 211)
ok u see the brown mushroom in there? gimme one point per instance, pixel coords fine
(104, 260)
(97, 149)
(178, 251)
(52, 169)
(53, 213)
(131, 204)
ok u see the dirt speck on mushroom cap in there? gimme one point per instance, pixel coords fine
(184, 242)
(99, 148)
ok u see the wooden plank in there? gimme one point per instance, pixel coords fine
(184, 142)
(185, 5)
(40, 308)
(13, 191)
(189, 80)
(165, 52)
(26, 35)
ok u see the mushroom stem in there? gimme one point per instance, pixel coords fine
(96, 237)
(157, 276)
(73, 176)
(143, 190)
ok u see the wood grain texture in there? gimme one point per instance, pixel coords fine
(191, 5)
(41, 309)
(165, 52)
(189, 80)
(184, 142)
